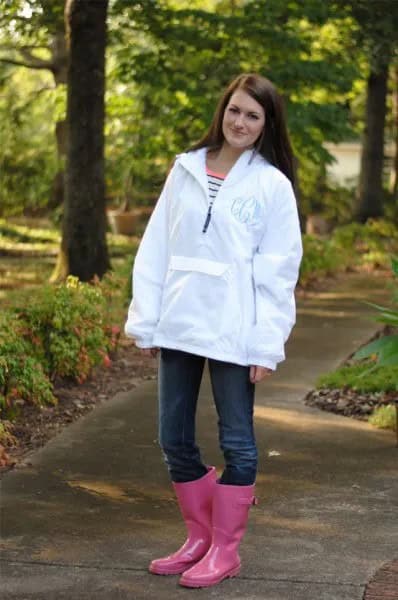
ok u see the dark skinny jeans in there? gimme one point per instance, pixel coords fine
(180, 375)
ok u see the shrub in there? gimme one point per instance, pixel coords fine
(337, 202)
(384, 417)
(370, 244)
(320, 257)
(22, 377)
(63, 332)
(67, 328)
(350, 246)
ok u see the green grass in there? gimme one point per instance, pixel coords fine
(28, 255)
(18, 238)
(22, 234)
(379, 379)
(19, 277)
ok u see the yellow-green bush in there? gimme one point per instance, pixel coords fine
(62, 331)
(384, 417)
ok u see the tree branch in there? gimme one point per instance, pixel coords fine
(34, 60)
(37, 64)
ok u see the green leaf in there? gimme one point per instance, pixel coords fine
(382, 346)
(389, 360)
(379, 307)
(388, 318)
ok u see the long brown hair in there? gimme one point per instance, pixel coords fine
(273, 143)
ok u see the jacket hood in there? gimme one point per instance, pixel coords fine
(195, 163)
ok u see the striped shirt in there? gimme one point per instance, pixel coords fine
(214, 181)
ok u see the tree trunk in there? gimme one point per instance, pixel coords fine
(57, 189)
(394, 170)
(370, 192)
(59, 59)
(84, 226)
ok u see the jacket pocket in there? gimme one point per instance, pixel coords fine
(201, 265)
(200, 303)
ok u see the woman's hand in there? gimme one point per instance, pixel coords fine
(259, 373)
(149, 352)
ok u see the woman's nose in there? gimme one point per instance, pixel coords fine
(239, 121)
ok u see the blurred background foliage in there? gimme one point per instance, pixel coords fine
(167, 61)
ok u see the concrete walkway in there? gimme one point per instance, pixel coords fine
(95, 506)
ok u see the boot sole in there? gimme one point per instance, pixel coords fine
(192, 584)
(172, 571)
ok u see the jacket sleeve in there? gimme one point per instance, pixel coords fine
(149, 271)
(275, 273)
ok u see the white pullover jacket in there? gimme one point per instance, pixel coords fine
(226, 294)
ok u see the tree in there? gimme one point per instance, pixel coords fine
(379, 25)
(30, 29)
(28, 161)
(181, 57)
(394, 178)
(84, 250)
(369, 199)
(376, 35)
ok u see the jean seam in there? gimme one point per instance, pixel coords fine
(184, 423)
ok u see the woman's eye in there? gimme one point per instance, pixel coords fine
(234, 110)
(255, 117)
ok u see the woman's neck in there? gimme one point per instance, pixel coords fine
(223, 160)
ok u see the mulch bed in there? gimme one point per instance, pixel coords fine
(348, 402)
(384, 584)
(35, 426)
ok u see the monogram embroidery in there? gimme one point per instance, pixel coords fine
(247, 210)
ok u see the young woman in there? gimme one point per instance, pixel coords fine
(214, 279)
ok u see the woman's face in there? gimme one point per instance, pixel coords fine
(243, 121)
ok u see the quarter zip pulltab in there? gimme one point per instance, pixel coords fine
(208, 218)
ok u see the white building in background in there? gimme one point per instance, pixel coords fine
(345, 170)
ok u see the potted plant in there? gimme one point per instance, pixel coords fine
(123, 219)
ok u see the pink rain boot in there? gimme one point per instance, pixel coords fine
(195, 501)
(231, 505)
